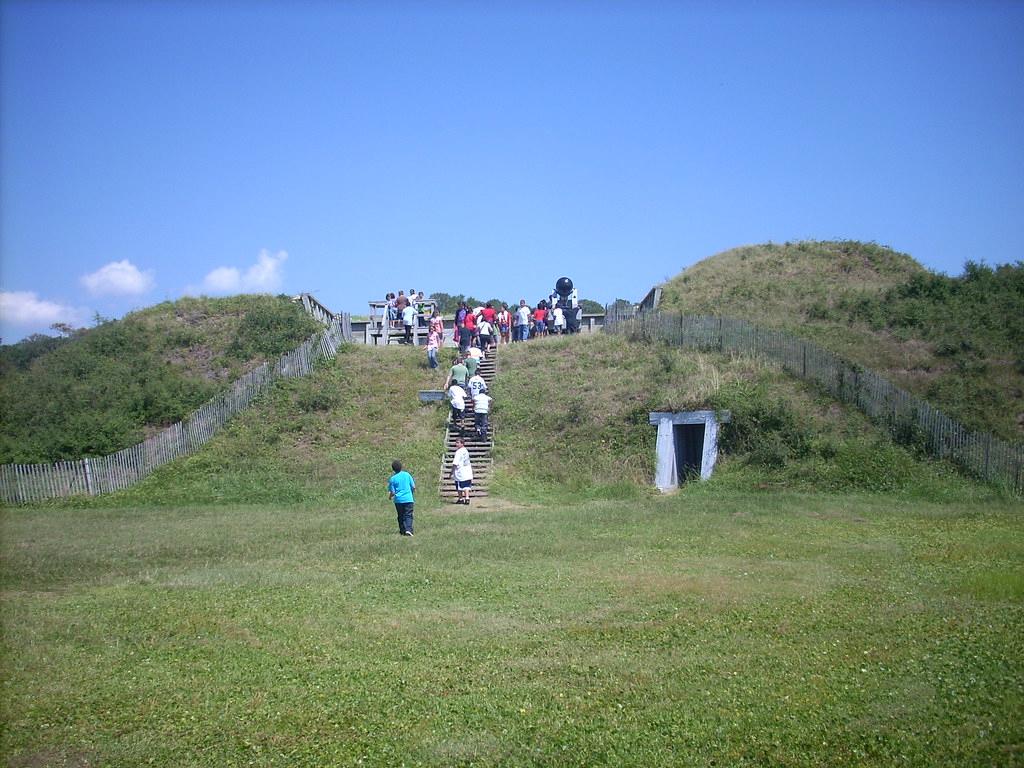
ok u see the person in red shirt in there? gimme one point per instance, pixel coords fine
(540, 314)
(488, 313)
(471, 329)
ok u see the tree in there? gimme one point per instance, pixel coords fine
(66, 330)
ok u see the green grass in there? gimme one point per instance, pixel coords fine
(253, 604)
(707, 627)
(828, 598)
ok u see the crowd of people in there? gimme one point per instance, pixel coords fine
(396, 304)
(406, 311)
(485, 326)
(488, 326)
(464, 384)
(476, 334)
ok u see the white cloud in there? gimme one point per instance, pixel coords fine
(118, 278)
(223, 280)
(265, 276)
(24, 309)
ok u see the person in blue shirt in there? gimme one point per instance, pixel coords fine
(400, 488)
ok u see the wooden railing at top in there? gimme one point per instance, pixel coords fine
(907, 417)
(24, 483)
(319, 312)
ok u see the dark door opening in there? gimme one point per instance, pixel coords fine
(689, 440)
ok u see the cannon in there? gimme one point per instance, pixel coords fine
(568, 298)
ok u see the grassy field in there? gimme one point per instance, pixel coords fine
(712, 627)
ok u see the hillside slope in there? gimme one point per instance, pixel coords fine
(101, 389)
(575, 418)
(957, 342)
(571, 418)
(327, 437)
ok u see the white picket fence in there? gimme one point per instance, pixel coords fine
(24, 483)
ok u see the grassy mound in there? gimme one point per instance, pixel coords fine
(957, 342)
(572, 421)
(775, 284)
(101, 389)
(326, 438)
(572, 415)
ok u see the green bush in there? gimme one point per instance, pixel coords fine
(868, 465)
(269, 329)
(764, 427)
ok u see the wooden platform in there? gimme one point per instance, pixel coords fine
(380, 330)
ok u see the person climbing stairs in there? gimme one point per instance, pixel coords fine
(479, 448)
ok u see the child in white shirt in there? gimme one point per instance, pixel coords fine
(457, 397)
(481, 409)
(559, 324)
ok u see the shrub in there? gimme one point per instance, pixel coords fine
(764, 427)
(868, 465)
(316, 394)
(269, 329)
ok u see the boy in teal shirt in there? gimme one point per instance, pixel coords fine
(400, 488)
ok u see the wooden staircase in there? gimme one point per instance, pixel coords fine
(479, 450)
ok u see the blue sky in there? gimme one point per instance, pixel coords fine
(152, 149)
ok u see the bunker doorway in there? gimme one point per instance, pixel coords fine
(689, 444)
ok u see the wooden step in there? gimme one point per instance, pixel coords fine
(481, 467)
(479, 450)
(475, 452)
